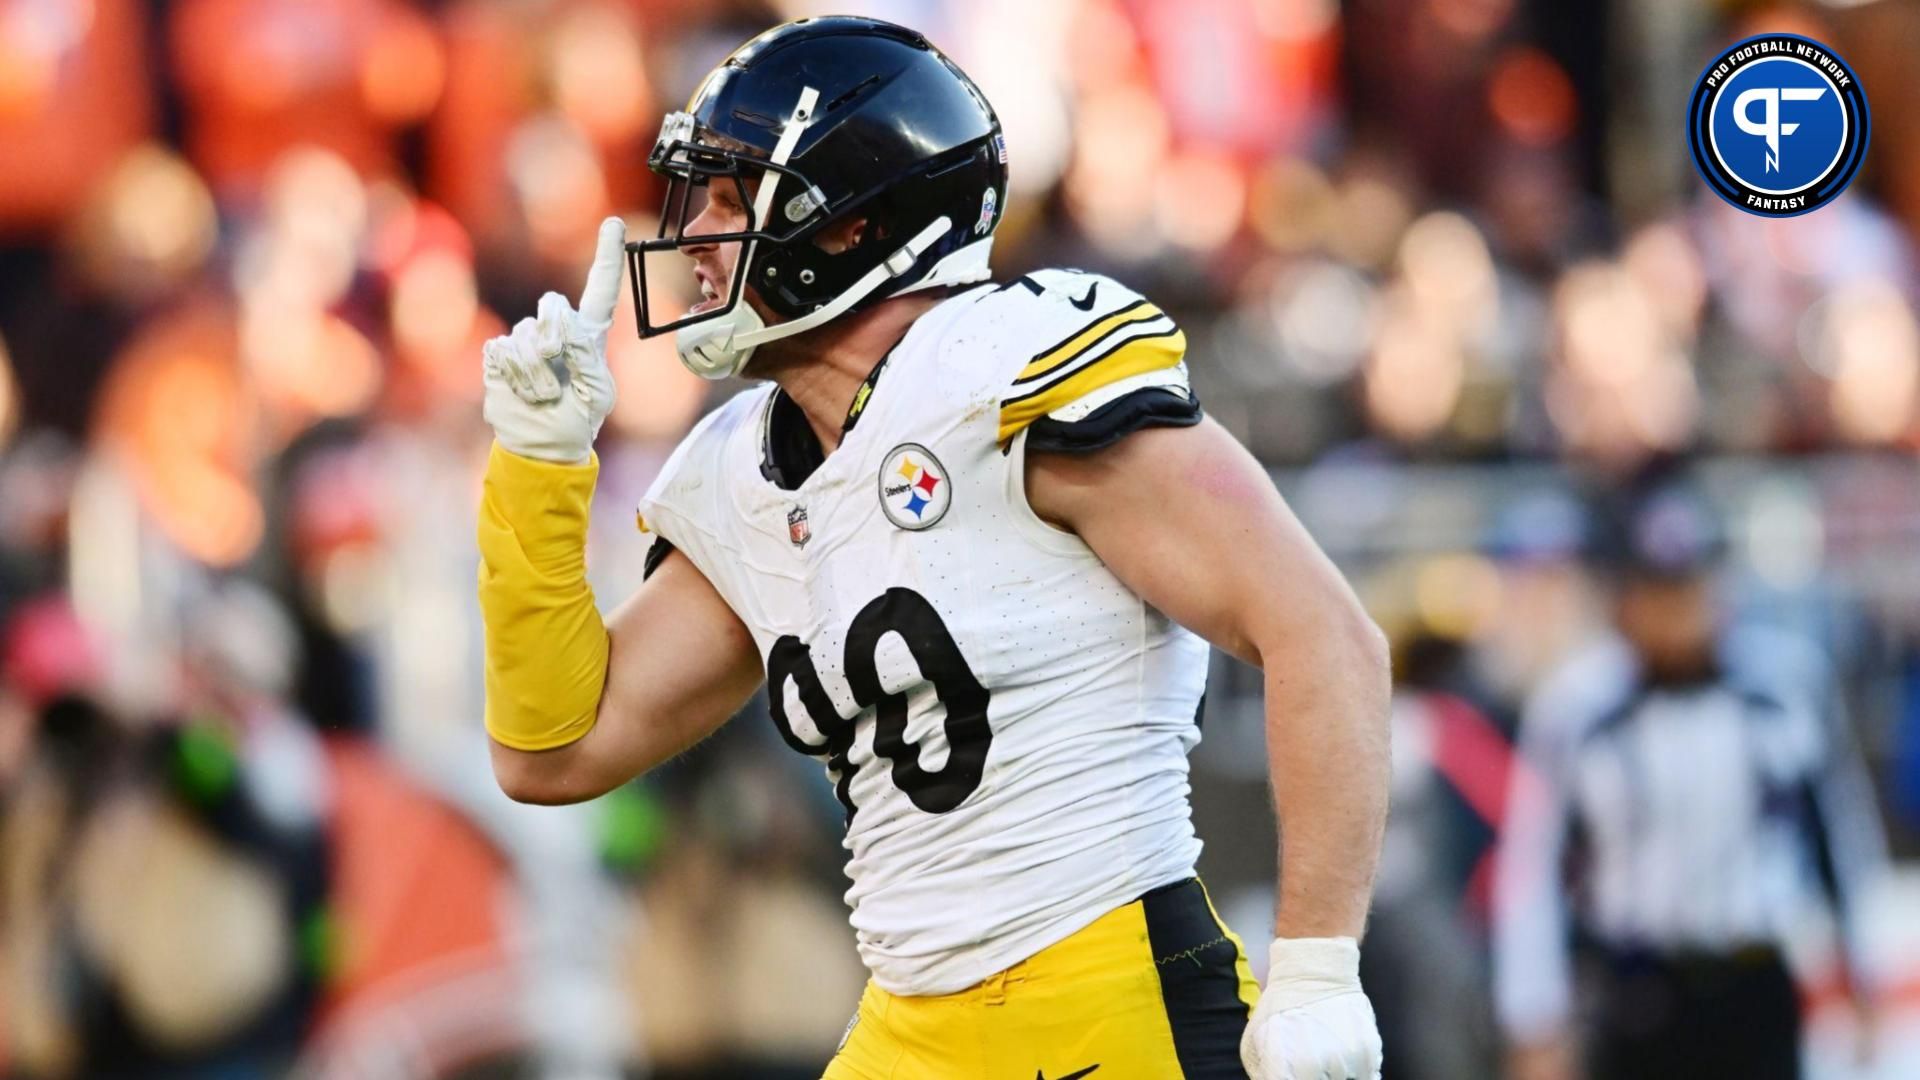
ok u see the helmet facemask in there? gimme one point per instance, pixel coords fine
(716, 343)
(689, 161)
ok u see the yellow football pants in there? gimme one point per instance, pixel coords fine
(1156, 990)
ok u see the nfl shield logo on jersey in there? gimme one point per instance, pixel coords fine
(797, 530)
(915, 489)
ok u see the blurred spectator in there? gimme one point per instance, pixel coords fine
(1426, 936)
(74, 96)
(260, 78)
(1687, 789)
(160, 904)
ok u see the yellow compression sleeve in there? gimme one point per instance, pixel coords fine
(546, 645)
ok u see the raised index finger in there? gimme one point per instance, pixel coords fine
(603, 280)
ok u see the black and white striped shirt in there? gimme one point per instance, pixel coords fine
(1668, 818)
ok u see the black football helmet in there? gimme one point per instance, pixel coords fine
(837, 116)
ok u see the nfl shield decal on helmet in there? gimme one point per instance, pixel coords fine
(915, 489)
(797, 530)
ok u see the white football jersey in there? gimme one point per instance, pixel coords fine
(1006, 723)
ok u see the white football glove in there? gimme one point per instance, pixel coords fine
(1313, 1021)
(548, 386)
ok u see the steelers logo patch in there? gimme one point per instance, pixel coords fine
(915, 489)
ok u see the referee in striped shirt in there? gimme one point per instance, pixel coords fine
(1688, 789)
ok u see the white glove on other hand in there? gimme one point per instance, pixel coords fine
(1313, 1021)
(548, 386)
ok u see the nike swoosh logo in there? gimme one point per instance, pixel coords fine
(1085, 303)
(1042, 1074)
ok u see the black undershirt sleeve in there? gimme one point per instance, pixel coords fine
(657, 554)
(1154, 406)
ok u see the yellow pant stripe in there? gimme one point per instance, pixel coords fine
(1100, 997)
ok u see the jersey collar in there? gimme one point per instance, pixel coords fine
(789, 450)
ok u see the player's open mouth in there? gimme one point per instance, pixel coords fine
(710, 298)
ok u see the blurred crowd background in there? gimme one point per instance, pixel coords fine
(1443, 264)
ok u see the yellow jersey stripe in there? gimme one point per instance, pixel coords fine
(1085, 338)
(1136, 357)
(1155, 337)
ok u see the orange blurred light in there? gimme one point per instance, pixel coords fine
(557, 177)
(1457, 596)
(403, 69)
(1200, 199)
(1873, 349)
(1291, 205)
(308, 367)
(218, 519)
(1369, 215)
(1449, 273)
(1531, 97)
(27, 75)
(1669, 269)
(161, 211)
(314, 189)
(1623, 387)
(433, 303)
(1662, 409)
(9, 396)
(1295, 20)
(402, 228)
(1414, 378)
(1104, 48)
(177, 418)
(303, 257)
(1471, 19)
(1609, 332)
(150, 226)
(34, 40)
(250, 84)
(1783, 19)
(599, 79)
(1110, 186)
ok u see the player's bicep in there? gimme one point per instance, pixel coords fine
(680, 663)
(1186, 518)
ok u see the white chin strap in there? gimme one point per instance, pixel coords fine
(719, 347)
(707, 348)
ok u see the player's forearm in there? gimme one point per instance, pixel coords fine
(679, 664)
(546, 646)
(1327, 747)
(624, 742)
(557, 777)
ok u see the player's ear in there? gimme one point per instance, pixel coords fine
(839, 236)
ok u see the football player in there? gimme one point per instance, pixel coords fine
(973, 536)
